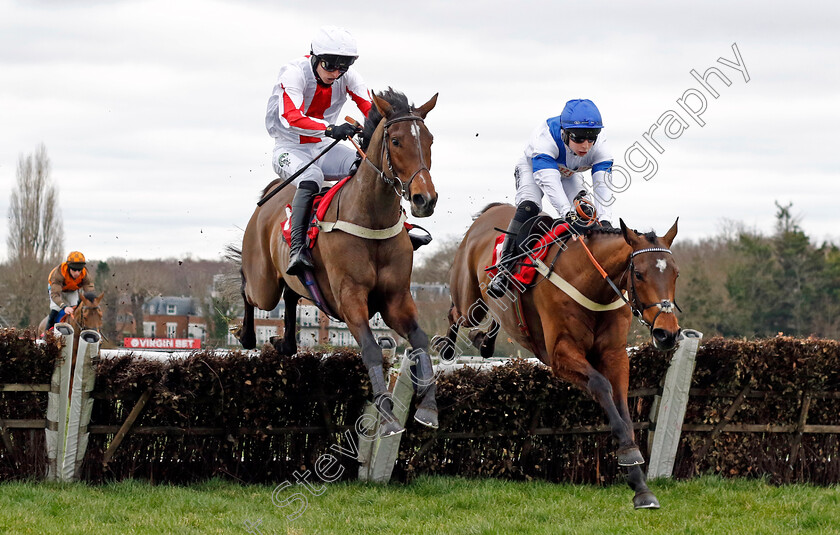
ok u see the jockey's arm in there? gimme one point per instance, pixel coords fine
(603, 196)
(56, 283)
(547, 176)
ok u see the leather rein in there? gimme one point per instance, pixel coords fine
(637, 306)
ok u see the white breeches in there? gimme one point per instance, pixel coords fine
(527, 188)
(334, 165)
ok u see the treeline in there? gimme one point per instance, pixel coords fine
(737, 284)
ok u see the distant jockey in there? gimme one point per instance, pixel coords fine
(66, 280)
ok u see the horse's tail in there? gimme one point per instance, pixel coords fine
(233, 254)
(489, 206)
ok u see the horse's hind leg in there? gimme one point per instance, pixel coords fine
(446, 346)
(247, 336)
(287, 345)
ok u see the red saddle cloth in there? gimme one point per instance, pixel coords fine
(523, 271)
(319, 210)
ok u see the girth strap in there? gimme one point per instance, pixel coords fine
(573, 292)
(364, 232)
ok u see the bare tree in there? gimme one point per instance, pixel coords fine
(35, 241)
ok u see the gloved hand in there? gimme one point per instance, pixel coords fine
(342, 131)
(579, 225)
(605, 223)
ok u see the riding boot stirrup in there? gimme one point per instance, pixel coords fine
(300, 260)
(499, 283)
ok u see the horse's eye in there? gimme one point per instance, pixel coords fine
(395, 142)
(638, 275)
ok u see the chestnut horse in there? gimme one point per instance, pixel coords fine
(359, 273)
(583, 339)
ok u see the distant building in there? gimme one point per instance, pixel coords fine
(173, 317)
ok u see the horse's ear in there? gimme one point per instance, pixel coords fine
(427, 107)
(629, 234)
(99, 297)
(669, 236)
(382, 106)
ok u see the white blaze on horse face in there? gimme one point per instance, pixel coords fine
(415, 131)
(661, 264)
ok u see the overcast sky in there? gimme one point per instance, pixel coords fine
(152, 112)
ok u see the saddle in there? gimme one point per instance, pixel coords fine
(320, 205)
(535, 237)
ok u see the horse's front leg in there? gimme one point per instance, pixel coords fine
(401, 315)
(569, 361)
(615, 366)
(356, 318)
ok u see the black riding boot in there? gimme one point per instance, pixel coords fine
(51, 319)
(299, 259)
(498, 285)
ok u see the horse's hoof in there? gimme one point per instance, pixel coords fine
(427, 417)
(645, 500)
(630, 457)
(390, 428)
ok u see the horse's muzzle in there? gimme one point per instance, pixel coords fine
(664, 340)
(423, 205)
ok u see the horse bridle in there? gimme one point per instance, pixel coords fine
(401, 188)
(637, 306)
(81, 324)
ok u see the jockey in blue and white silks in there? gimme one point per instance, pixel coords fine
(550, 167)
(559, 151)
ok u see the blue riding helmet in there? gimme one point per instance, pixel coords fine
(580, 113)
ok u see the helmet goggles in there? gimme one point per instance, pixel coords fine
(581, 135)
(333, 62)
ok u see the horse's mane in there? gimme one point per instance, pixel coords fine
(489, 206)
(399, 103)
(270, 187)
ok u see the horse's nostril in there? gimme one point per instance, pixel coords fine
(433, 202)
(418, 200)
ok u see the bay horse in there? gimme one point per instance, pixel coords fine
(583, 346)
(86, 315)
(359, 273)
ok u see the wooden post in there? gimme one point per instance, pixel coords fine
(81, 405)
(668, 410)
(378, 455)
(57, 403)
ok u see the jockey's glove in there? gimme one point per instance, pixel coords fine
(342, 131)
(605, 223)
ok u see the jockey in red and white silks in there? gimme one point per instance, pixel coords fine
(550, 167)
(299, 111)
(302, 111)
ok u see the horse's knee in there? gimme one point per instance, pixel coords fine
(599, 386)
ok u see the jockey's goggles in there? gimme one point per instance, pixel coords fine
(580, 135)
(331, 62)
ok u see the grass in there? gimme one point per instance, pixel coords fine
(427, 506)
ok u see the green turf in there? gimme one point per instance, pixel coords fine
(426, 506)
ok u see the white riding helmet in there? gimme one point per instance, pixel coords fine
(332, 40)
